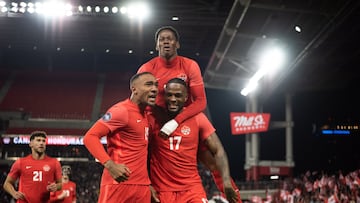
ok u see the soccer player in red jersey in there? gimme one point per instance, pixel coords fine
(67, 194)
(38, 173)
(125, 177)
(170, 65)
(173, 163)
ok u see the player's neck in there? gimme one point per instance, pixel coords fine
(38, 156)
(169, 59)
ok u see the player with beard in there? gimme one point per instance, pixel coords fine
(173, 164)
(38, 173)
(170, 65)
(125, 125)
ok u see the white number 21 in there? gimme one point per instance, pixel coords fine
(37, 176)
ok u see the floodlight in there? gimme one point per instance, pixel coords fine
(4, 9)
(97, 9)
(123, 10)
(138, 10)
(23, 4)
(271, 60)
(106, 9)
(31, 9)
(115, 9)
(22, 9)
(251, 86)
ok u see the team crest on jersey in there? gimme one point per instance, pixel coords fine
(185, 130)
(46, 168)
(183, 76)
(106, 117)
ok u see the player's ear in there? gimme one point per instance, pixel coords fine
(177, 45)
(133, 89)
(157, 48)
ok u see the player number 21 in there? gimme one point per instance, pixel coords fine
(37, 176)
(174, 141)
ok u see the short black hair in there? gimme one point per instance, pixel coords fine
(171, 28)
(37, 134)
(178, 81)
(137, 75)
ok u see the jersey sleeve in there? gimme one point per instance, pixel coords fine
(197, 93)
(195, 74)
(116, 117)
(205, 126)
(15, 170)
(93, 144)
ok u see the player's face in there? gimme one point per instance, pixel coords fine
(38, 144)
(175, 96)
(65, 178)
(146, 89)
(167, 44)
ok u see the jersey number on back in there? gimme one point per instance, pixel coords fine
(37, 176)
(174, 142)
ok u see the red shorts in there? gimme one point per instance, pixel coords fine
(193, 195)
(122, 193)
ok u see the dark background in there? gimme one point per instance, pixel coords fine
(321, 74)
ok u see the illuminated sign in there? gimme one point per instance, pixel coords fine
(335, 132)
(51, 140)
(243, 123)
(338, 129)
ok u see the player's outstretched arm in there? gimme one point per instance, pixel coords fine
(221, 161)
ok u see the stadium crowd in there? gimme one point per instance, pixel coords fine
(317, 187)
(310, 187)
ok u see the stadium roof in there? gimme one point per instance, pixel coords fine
(224, 36)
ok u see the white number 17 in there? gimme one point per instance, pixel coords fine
(174, 141)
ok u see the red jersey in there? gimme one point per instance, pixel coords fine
(34, 175)
(69, 188)
(180, 67)
(127, 142)
(173, 163)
